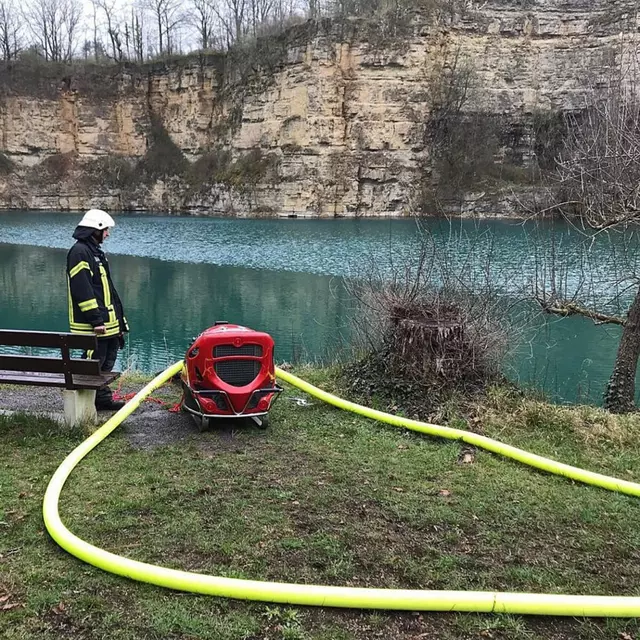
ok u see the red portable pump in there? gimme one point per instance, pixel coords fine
(230, 373)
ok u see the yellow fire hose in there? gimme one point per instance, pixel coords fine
(348, 597)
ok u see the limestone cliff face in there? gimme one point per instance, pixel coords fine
(339, 113)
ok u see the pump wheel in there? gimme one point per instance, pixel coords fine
(261, 422)
(202, 424)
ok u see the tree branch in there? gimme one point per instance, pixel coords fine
(566, 309)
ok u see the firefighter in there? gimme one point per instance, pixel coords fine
(94, 304)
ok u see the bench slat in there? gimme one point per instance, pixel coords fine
(46, 339)
(49, 365)
(56, 379)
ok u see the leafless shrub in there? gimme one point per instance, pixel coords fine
(112, 172)
(244, 171)
(549, 132)
(431, 324)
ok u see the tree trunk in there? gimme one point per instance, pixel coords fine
(621, 390)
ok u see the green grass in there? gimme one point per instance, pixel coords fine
(321, 497)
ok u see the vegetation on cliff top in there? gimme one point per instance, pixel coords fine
(58, 53)
(63, 31)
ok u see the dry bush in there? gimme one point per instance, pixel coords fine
(549, 131)
(218, 166)
(208, 167)
(112, 172)
(431, 327)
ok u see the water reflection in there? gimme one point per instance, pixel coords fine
(167, 303)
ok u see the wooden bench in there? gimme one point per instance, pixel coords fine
(79, 378)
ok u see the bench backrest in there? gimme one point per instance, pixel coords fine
(40, 364)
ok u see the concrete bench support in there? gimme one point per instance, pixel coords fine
(80, 407)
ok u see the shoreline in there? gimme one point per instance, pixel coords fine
(498, 217)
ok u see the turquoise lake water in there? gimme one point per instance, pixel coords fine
(178, 275)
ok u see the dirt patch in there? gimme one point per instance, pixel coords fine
(37, 400)
(151, 425)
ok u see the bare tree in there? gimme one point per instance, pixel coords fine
(137, 35)
(112, 25)
(462, 140)
(261, 12)
(202, 18)
(10, 30)
(127, 39)
(167, 16)
(54, 25)
(95, 34)
(231, 15)
(312, 8)
(597, 183)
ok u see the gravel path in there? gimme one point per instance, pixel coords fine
(149, 426)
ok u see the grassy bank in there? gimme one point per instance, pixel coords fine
(321, 497)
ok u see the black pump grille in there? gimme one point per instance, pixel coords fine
(226, 350)
(238, 373)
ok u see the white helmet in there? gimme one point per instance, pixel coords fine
(97, 219)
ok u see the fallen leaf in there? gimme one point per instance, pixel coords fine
(59, 610)
(4, 598)
(468, 458)
(402, 446)
(444, 493)
(398, 489)
(9, 606)
(625, 636)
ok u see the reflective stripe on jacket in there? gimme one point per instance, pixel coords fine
(93, 300)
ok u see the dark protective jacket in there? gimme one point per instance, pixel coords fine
(93, 300)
